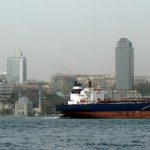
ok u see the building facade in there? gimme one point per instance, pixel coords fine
(124, 65)
(16, 68)
(6, 90)
(5, 105)
(23, 107)
(62, 83)
(105, 81)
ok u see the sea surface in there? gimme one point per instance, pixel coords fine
(38, 133)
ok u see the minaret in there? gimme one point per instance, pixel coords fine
(19, 92)
(40, 108)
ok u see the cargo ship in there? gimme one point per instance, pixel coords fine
(94, 103)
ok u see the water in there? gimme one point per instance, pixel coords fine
(73, 134)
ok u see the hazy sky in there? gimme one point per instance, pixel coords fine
(73, 36)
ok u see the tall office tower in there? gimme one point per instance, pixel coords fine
(16, 68)
(124, 65)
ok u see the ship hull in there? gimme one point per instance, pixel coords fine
(107, 111)
(109, 115)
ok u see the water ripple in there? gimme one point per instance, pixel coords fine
(73, 134)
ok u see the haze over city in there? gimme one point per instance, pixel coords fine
(73, 37)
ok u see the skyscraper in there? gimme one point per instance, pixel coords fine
(16, 68)
(124, 65)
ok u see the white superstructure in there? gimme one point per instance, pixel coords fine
(86, 95)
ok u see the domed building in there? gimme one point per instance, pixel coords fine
(23, 107)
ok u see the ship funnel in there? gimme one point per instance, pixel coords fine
(90, 84)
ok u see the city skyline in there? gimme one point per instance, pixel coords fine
(73, 37)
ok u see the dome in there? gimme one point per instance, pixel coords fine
(24, 98)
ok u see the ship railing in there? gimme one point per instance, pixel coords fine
(144, 108)
(124, 101)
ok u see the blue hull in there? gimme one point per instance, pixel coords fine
(107, 110)
(105, 107)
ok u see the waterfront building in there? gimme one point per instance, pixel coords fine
(23, 107)
(62, 83)
(5, 105)
(124, 65)
(6, 90)
(16, 68)
(3, 76)
(138, 80)
(105, 81)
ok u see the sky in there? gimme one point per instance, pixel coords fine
(73, 36)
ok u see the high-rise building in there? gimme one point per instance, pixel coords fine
(16, 68)
(124, 65)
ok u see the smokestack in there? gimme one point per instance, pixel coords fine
(90, 84)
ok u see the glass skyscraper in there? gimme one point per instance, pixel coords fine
(16, 68)
(124, 65)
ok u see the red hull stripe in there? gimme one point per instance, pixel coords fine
(110, 115)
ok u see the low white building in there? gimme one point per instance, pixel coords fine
(23, 107)
(5, 105)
